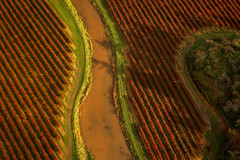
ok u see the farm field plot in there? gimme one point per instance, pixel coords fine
(39, 59)
(166, 86)
(171, 122)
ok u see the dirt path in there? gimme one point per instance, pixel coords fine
(99, 124)
(197, 97)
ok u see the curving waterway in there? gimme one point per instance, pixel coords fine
(100, 126)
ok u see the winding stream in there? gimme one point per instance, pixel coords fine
(99, 124)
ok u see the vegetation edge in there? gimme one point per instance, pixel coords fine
(190, 43)
(79, 146)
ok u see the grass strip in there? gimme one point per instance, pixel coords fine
(83, 51)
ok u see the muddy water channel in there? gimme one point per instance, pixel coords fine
(99, 124)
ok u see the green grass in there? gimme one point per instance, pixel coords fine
(83, 52)
(215, 138)
(63, 11)
(119, 44)
(90, 155)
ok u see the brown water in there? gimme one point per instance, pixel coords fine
(99, 124)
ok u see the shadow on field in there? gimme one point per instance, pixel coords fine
(102, 64)
(104, 43)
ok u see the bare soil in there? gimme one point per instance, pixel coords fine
(99, 123)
